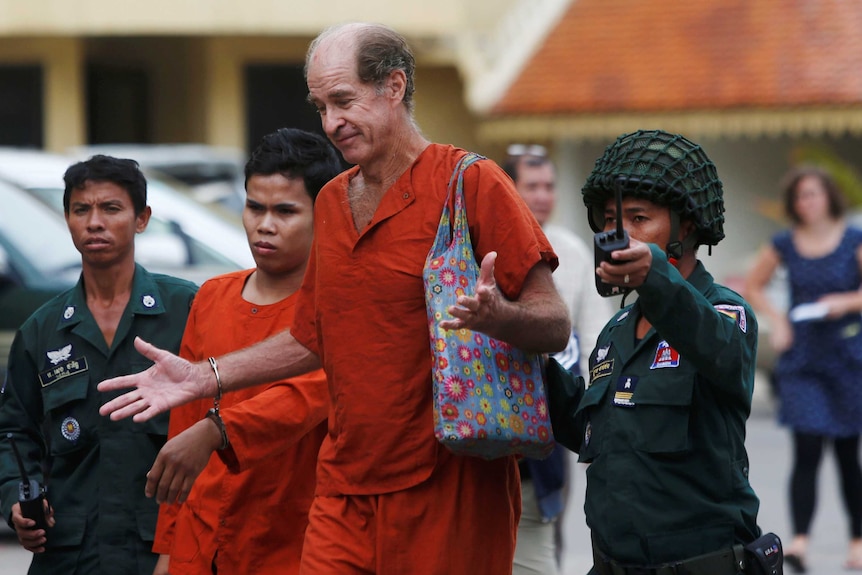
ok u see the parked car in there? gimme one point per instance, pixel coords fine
(37, 261)
(213, 174)
(184, 238)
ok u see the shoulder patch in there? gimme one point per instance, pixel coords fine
(736, 313)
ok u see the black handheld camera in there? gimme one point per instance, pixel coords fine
(611, 241)
(30, 494)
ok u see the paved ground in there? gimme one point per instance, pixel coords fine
(769, 451)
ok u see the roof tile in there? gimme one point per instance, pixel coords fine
(658, 55)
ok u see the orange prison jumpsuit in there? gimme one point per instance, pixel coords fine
(249, 507)
(390, 499)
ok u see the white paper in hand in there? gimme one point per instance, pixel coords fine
(808, 312)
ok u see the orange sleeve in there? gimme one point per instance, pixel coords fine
(274, 420)
(500, 221)
(304, 327)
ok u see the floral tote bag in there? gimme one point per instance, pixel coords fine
(489, 400)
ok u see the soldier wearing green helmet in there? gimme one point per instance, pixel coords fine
(666, 169)
(661, 419)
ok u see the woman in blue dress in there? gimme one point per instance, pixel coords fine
(820, 345)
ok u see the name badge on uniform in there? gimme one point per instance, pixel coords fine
(626, 385)
(62, 371)
(665, 356)
(603, 369)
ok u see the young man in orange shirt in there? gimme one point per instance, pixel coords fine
(248, 508)
(390, 498)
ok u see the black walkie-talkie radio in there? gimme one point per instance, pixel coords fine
(30, 494)
(611, 241)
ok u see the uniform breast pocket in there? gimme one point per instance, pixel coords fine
(662, 411)
(67, 415)
(590, 421)
(65, 391)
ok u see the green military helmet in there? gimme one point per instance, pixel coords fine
(666, 169)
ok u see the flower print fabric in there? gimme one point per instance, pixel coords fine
(488, 395)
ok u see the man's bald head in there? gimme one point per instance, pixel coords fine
(379, 51)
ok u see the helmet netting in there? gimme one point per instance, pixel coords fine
(664, 168)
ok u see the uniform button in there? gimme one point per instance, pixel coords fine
(254, 310)
(406, 195)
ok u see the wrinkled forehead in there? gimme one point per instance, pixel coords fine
(330, 66)
(325, 59)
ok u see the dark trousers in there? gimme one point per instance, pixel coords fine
(808, 452)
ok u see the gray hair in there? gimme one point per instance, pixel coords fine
(380, 50)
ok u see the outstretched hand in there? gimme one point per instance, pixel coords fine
(481, 311)
(171, 381)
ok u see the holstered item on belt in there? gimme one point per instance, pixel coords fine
(725, 562)
(765, 555)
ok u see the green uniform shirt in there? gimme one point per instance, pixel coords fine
(662, 422)
(97, 466)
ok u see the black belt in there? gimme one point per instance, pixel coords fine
(725, 562)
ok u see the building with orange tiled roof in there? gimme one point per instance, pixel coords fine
(758, 61)
(749, 80)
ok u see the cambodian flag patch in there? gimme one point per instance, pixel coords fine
(736, 313)
(665, 356)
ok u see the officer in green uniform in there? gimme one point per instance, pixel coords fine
(662, 420)
(94, 469)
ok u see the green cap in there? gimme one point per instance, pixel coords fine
(666, 169)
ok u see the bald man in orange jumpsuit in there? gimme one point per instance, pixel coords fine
(390, 500)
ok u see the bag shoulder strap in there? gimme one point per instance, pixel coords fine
(465, 162)
(455, 195)
(453, 204)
